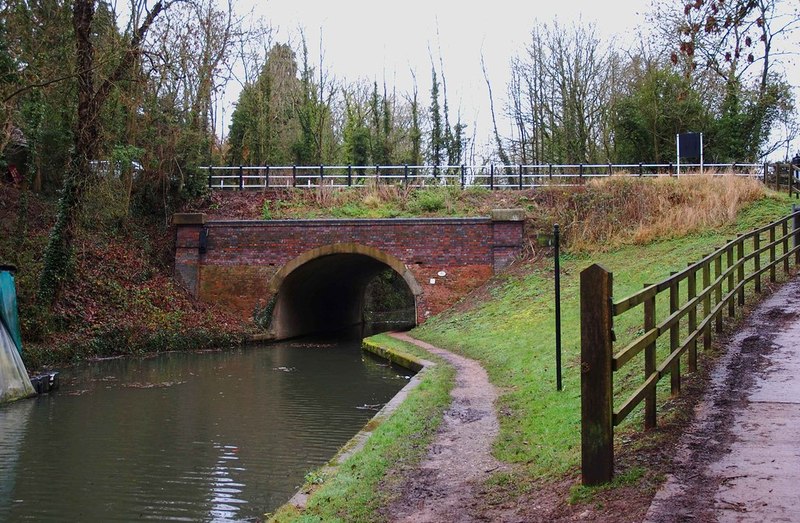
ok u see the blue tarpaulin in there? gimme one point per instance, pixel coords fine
(8, 305)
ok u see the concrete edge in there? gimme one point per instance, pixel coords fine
(357, 442)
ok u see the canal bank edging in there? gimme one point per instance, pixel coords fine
(357, 442)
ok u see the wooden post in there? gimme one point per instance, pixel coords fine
(731, 283)
(796, 230)
(718, 292)
(757, 260)
(691, 294)
(674, 341)
(740, 271)
(785, 234)
(650, 362)
(707, 304)
(772, 277)
(597, 429)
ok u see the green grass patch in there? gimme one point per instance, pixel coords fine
(512, 335)
(357, 489)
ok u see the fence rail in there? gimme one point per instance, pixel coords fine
(697, 298)
(487, 176)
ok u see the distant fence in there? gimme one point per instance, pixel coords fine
(487, 176)
(696, 299)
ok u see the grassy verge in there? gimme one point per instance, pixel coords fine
(361, 485)
(512, 334)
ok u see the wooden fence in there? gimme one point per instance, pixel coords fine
(697, 298)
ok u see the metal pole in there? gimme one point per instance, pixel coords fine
(491, 177)
(677, 154)
(701, 153)
(556, 259)
(463, 176)
(241, 178)
(294, 175)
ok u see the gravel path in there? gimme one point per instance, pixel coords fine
(448, 483)
(740, 459)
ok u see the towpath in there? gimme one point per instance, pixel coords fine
(446, 486)
(740, 459)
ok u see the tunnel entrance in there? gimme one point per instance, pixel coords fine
(325, 292)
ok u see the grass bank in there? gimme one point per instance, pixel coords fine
(508, 326)
(511, 332)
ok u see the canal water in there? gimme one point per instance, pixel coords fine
(187, 436)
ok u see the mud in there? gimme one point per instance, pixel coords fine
(739, 461)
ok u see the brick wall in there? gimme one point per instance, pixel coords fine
(239, 258)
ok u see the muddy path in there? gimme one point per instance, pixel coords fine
(740, 458)
(448, 482)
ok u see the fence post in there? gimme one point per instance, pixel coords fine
(772, 275)
(463, 176)
(491, 176)
(740, 271)
(557, 271)
(785, 235)
(757, 259)
(641, 170)
(266, 179)
(520, 177)
(321, 175)
(796, 236)
(707, 304)
(580, 173)
(550, 171)
(649, 361)
(210, 175)
(692, 294)
(674, 340)
(241, 177)
(731, 300)
(349, 175)
(671, 168)
(597, 429)
(294, 175)
(718, 291)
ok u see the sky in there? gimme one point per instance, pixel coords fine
(378, 40)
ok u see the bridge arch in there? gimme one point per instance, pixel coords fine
(324, 288)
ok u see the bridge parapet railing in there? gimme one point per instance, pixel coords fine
(677, 314)
(489, 176)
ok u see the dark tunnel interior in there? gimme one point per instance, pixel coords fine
(327, 294)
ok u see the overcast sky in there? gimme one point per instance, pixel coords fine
(377, 40)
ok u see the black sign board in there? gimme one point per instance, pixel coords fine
(689, 145)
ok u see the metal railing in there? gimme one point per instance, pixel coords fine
(693, 302)
(486, 176)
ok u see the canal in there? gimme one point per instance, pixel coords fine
(187, 436)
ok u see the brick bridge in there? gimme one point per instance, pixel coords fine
(314, 272)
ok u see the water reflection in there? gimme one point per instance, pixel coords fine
(186, 437)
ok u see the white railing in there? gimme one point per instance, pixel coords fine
(486, 176)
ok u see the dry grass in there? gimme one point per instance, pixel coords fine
(615, 211)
